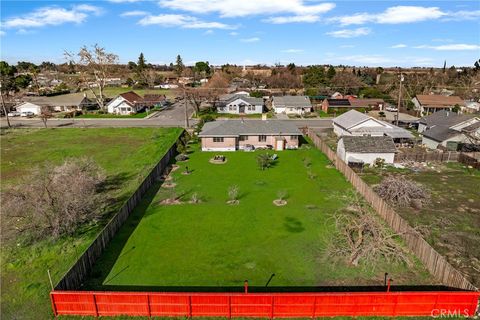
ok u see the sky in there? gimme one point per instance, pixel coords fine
(245, 32)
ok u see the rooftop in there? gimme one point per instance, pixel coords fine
(368, 144)
(292, 101)
(435, 100)
(350, 119)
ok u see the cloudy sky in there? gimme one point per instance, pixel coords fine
(373, 33)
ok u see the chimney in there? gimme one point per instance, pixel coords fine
(264, 116)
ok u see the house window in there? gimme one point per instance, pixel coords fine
(217, 139)
(232, 108)
(293, 137)
(243, 138)
(262, 138)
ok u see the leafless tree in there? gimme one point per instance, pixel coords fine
(45, 114)
(55, 200)
(95, 66)
(402, 192)
(346, 80)
(362, 239)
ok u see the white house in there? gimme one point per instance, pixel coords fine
(354, 123)
(240, 104)
(366, 149)
(291, 104)
(29, 107)
(126, 103)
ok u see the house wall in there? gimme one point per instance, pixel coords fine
(114, 103)
(370, 157)
(257, 109)
(339, 131)
(421, 127)
(29, 107)
(432, 144)
(228, 144)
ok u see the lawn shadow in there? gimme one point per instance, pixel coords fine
(114, 250)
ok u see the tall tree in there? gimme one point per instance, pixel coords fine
(141, 70)
(95, 66)
(314, 77)
(179, 66)
(7, 84)
(331, 73)
(141, 63)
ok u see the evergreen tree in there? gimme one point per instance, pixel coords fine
(331, 72)
(141, 63)
(179, 66)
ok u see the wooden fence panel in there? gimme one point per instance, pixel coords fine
(77, 273)
(436, 264)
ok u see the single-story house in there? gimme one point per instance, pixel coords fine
(291, 104)
(354, 123)
(126, 103)
(231, 135)
(352, 103)
(154, 100)
(429, 103)
(64, 102)
(241, 104)
(471, 107)
(29, 107)
(447, 129)
(366, 149)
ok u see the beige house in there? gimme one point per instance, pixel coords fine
(231, 135)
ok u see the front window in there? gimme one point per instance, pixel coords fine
(218, 139)
(243, 138)
(262, 138)
(293, 137)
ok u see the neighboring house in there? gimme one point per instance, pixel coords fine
(154, 100)
(29, 107)
(447, 129)
(126, 103)
(291, 104)
(231, 135)
(352, 103)
(354, 123)
(241, 104)
(430, 103)
(366, 149)
(64, 102)
(471, 107)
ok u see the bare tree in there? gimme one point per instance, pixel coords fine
(45, 114)
(55, 200)
(95, 66)
(233, 192)
(362, 238)
(346, 80)
(402, 192)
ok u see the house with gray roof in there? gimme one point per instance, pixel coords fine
(366, 149)
(291, 104)
(354, 123)
(448, 129)
(231, 135)
(240, 104)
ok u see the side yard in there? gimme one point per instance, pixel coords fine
(126, 154)
(450, 219)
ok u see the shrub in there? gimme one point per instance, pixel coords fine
(264, 161)
(181, 157)
(233, 192)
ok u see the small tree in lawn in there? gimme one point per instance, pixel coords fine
(264, 161)
(233, 192)
(281, 196)
(45, 114)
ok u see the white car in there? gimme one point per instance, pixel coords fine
(27, 114)
(391, 109)
(14, 114)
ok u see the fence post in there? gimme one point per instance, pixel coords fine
(190, 307)
(54, 307)
(273, 305)
(314, 307)
(229, 306)
(148, 306)
(95, 305)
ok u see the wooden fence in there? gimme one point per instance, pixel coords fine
(445, 156)
(471, 159)
(433, 261)
(77, 273)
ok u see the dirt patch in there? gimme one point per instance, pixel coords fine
(170, 201)
(169, 185)
(217, 161)
(174, 167)
(279, 202)
(233, 202)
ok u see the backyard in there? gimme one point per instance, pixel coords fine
(126, 154)
(450, 220)
(184, 235)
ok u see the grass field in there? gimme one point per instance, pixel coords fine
(451, 218)
(126, 154)
(217, 244)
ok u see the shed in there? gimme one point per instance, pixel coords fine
(366, 149)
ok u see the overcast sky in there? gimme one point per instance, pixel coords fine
(372, 33)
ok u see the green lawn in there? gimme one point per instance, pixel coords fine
(450, 219)
(127, 155)
(216, 244)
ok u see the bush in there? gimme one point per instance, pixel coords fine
(264, 161)
(402, 192)
(181, 157)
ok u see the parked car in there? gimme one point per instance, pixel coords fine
(27, 114)
(391, 109)
(14, 114)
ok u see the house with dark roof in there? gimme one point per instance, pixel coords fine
(430, 103)
(352, 103)
(231, 135)
(354, 123)
(241, 104)
(154, 100)
(291, 104)
(126, 103)
(366, 149)
(448, 129)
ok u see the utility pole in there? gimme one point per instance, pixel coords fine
(186, 109)
(399, 97)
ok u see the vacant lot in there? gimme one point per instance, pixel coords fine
(213, 243)
(451, 219)
(127, 155)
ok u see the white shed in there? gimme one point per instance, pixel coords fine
(366, 149)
